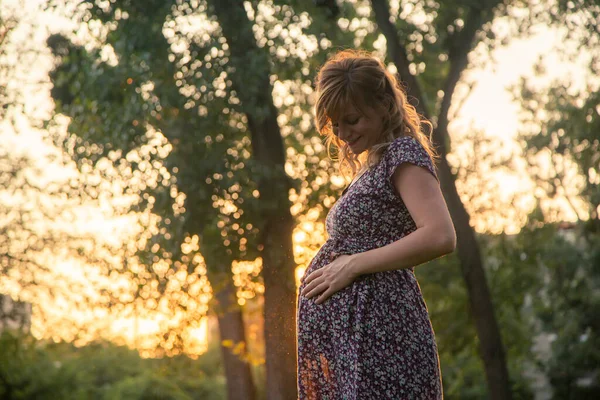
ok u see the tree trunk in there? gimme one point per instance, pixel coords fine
(238, 374)
(480, 301)
(280, 309)
(240, 385)
(251, 81)
(490, 340)
(240, 382)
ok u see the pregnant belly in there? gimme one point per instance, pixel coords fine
(327, 323)
(386, 293)
(337, 311)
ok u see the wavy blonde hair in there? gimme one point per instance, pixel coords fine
(360, 79)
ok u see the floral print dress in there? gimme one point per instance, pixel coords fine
(372, 339)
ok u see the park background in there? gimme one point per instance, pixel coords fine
(163, 188)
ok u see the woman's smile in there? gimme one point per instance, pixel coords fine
(354, 141)
(358, 129)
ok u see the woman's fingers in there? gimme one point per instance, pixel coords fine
(313, 275)
(309, 284)
(309, 288)
(324, 296)
(318, 288)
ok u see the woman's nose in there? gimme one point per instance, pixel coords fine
(342, 133)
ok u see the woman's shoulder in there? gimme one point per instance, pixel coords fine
(404, 146)
(407, 149)
(406, 140)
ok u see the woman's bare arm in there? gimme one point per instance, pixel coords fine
(434, 237)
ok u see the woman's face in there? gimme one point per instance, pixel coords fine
(359, 131)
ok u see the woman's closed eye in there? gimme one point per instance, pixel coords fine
(349, 121)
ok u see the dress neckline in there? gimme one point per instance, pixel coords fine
(355, 181)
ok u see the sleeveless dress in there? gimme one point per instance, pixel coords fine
(372, 339)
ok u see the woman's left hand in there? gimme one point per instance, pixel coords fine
(329, 279)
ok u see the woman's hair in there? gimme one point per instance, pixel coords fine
(359, 79)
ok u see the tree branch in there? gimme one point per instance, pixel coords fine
(398, 54)
(458, 57)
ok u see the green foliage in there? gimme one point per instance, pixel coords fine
(561, 138)
(27, 372)
(448, 305)
(544, 281)
(568, 306)
(113, 110)
(564, 124)
(145, 386)
(30, 369)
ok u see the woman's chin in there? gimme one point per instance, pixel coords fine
(357, 149)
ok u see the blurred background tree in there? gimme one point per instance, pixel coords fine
(40, 229)
(561, 137)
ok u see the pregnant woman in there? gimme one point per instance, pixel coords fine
(363, 326)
